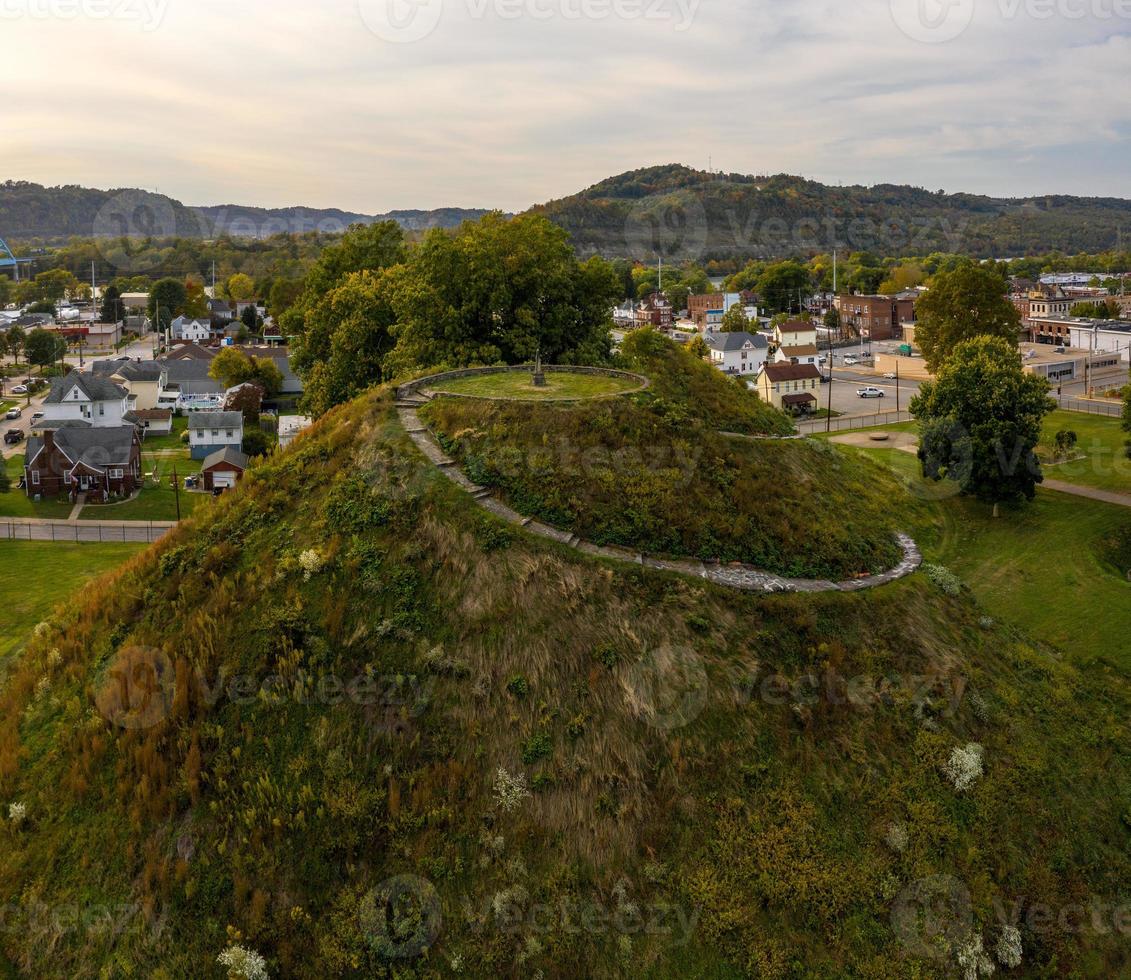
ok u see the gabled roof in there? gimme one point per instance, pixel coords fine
(736, 340)
(229, 455)
(215, 420)
(139, 371)
(801, 350)
(95, 388)
(188, 352)
(188, 369)
(801, 326)
(790, 372)
(97, 448)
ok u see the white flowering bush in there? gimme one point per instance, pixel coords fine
(964, 767)
(510, 790)
(1008, 948)
(243, 964)
(972, 959)
(17, 813)
(897, 837)
(944, 578)
(311, 562)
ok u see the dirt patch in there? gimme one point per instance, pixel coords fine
(907, 441)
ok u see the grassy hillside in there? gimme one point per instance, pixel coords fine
(345, 719)
(696, 214)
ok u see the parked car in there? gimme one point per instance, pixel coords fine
(870, 392)
(12, 436)
(19, 390)
(891, 376)
(35, 417)
(849, 359)
(14, 413)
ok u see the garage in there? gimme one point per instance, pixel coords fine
(223, 469)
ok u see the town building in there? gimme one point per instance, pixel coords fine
(708, 309)
(738, 352)
(210, 431)
(654, 311)
(790, 387)
(100, 462)
(223, 469)
(875, 317)
(84, 399)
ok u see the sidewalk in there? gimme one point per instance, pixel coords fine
(68, 530)
(1106, 496)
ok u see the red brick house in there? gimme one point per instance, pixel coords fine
(875, 317)
(73, 460)
(654, 311)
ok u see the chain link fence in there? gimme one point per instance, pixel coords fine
(145, 532)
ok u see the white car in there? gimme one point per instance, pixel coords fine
(891, 376)
(13, 413)
(870, 392)
(849, 359)
(19, 390)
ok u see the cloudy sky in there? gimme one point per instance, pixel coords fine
(370, 105)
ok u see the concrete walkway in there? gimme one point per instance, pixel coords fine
(1092, 493)
(44, 529)
(80, 503)
(740, 576)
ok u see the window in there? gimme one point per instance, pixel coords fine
(101, 408)
(215, 433)
(35, 478)
(116, 474)
(228, 433)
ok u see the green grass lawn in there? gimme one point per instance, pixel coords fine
(154, 443)
(1104, 464)
(36, 576)
(154, 503)
(1038, 565)
(15, 503)
(517, 384)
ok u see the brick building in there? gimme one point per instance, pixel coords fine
(875, 317)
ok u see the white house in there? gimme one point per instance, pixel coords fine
(290, 426)
(84, 399)
(210, 431)
(738, 352)
(802, 354)
(194, 331)
(795, 333)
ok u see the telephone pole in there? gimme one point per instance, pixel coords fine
(177, 492)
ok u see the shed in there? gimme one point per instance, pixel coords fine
(223, 469)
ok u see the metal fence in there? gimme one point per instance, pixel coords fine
(1112, 408)
(846, 422)
(144, 532)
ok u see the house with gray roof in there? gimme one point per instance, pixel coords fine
(738, 352)
(85, 399)
(100, 462)
(212, 431)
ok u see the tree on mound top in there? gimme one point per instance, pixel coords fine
(980, 422)
(968, 301)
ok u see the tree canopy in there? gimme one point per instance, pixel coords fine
(734, 320)
(231, 366)
(968, 301)
(980, 421)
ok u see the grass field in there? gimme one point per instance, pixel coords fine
(15, 503)
(517, 384)
(1038, 565)
(172, 441)
(152, 504)
(1103, 463)
(36, 576)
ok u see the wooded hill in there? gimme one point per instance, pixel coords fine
(692, 214)
(32, 211)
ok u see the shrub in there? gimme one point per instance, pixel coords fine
(5, 481)
(539, 746)
(972, 959)
(1008, 948)
(518, 686)
(17, 813)
(311, 562)
(243, 964)
(510, 790)
(964, 767)
(944, 578)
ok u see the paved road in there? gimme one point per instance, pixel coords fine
(39, 529)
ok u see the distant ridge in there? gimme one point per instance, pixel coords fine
(673, 210)
(30, 211)
(685, 213)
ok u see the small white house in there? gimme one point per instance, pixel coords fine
(210, 431)
(795, 333)
(192, 331)
(83, 398)
(802, 354)
(738, 353)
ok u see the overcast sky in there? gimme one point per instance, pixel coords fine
(505, 103)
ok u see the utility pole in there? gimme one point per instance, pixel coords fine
(177, 491)
(897, 387)
(829, 412)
